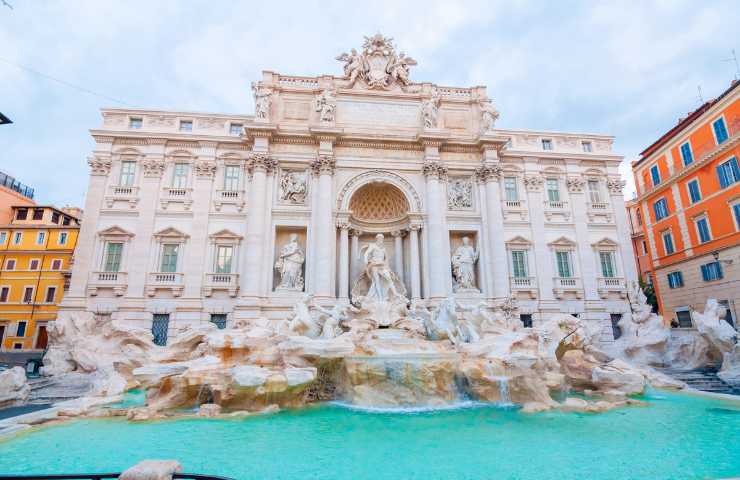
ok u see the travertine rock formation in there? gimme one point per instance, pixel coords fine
(14, 388)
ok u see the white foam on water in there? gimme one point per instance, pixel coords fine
(468, 404)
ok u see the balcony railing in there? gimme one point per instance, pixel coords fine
(608, 285)
(122, 193)
(524, 285)
(562, 285)
(224, 197)
(555, 205)
(172, 281)
(176, 195)
(221, 281)
(117, 281)
(512, 204)
(124, 190)
(598, 206)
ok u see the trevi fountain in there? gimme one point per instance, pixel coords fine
(395, 374)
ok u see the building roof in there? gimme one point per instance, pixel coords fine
(683, 124)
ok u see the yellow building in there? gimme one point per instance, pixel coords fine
(36, 250)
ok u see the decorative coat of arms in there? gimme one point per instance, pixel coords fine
(378, 65)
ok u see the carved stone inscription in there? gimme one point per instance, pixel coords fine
(375, 113)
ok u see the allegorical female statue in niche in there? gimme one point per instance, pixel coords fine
(290, 265)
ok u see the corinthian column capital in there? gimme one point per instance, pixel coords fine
(487, 173)
(324, 165)
(434, 169)
(261, 162)
(99, 165)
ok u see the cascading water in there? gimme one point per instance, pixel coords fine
(503, 386)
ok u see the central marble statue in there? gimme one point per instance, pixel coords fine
(379, 272)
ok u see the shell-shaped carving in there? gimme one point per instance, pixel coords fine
(378, 201)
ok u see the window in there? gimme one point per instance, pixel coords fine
(639, 217)
(219, 319)
(186, 125)
(62, 238)
(4, 294)
(660, 208)
(655, 174)
(711, 271)
(546, 144)
(169, 258)
(231, 178)
(55, 217)
(40, 237)
(3, 237)
(10, 264)
(694, 192)
(616, 329)
(644, 247)
(526, 319)
(56, 264)
(67, 221)
(38, 213)
(564, 266)
(736, 214)
(128, 169)
(224, 254)
(180, 175)
(17, 346)
(135, 123)
(33, 264)
(684, 317)
(519, 263)
(160, 327)
(510, 189)
(51, 293)
(686, 154)
(668, 243)
(587, 147)
(720, 130)
(21, 214)
(112, 261)
(21, 330)
(235, 129)
(28, 295)
(728, 172)
(728, 311)
(553, 190)
(702, 228)
(607, 264)
(17, 238)
(594, 191)
(675, 280)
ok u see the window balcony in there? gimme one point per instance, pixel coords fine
(171, 281)
(598, 206)
(555, 205)
(556, 209)
(117, 281)
(564, 285)
(524, 285)
(122, 193)
(172, 195)
(221, 281)
(229, 197)
(514, 209)
(608, 285)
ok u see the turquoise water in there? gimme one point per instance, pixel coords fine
(676, 437)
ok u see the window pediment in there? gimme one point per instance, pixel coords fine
(225, 236)
(518, 242)
(171, 234)
(605, 244)
(115, 232)
(562, 242)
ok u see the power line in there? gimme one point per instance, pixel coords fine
(64, 82)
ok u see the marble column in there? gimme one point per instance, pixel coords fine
(398, 253)
(414, 253)
(355, 255)
(586, 256)
(256, 239)
(440, 281)
(615, 186)
(323, 167)
(490, 176)
(543, 261)
(195, 261)
(344, 260)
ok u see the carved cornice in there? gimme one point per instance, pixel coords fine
(533, 183)
(157, 141)
(398, 233)
(488, 173)
(103, 139)
(261, 162)
(205, 168)
(99, 166)
(434, 169)
(575, 184)
(324, 164)
(153, 167)
(207, 144)
(343, 225)
(415, 226)
(615, 185)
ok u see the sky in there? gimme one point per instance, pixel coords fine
(628, 69)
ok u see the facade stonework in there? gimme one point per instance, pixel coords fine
(200, 206)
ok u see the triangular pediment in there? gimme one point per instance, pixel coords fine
(518, 241)
(115, 231)
(171, 233)
(225, 234)
(605, 243)
(562, 242)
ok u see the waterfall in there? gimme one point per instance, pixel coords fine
(503, 390)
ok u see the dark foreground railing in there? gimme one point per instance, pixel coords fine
(100, 476)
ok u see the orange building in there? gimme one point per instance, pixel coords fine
(688, 208)
(12, 193)
(643, 261)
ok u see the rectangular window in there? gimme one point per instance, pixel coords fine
(40, 237)
(21, 330)
(135, 123)
(720, 130)
(231, 178)
(28, 295)
(694, 192)
(510, 188)
(235, 129)
(644, 247)
(66, 221)
(736, 213)
(186, 125)
(594, 191)
(728, 173)
(702, 228)
(51, 293)
(62, 238)
(616, 329)
(128, 169)
(686, 154)
(564, 267)
(224, 254)
(33, 264)
(519, 263)
(55, 217)
(180, 175)
(56, 264)
(660, 209)
(587, 147)
(639, 217)
(21, 214)
(675, 280)
(10, 264)
(4, 294)
(684, 317)
(668, 243)
(112, 262)
(711, 271)
(526, 319)
(17, 238)
(546, 144)
(3, 237)
(219, 319)
(169, 258)
(553, 190)
(655, 174)
(160, 328)
(607, 264)
(38, 213)
(17, 346)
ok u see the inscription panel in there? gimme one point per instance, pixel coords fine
(378, 113)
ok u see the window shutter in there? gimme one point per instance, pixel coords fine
(735, 170)
(705, 272)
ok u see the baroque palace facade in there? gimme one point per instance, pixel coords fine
(210, 217)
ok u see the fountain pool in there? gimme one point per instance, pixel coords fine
(676, 436)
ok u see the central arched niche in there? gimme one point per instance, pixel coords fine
(378, 202)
